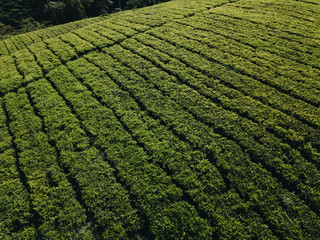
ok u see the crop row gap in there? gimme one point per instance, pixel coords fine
(306, 1)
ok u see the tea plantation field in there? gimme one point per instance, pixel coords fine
(191, 119)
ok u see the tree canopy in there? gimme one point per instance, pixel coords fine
(17, 13)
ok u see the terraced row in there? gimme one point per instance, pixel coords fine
(19, 42)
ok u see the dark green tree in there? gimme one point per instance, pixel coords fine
(22, 13)
(12, 12)
(70, 10)
(141, 3)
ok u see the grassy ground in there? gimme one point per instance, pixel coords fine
(185, 120)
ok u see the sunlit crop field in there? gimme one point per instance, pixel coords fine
(191, 119)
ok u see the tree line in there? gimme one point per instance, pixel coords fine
(28, 14)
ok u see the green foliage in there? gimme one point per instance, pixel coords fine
(5, 31)
(12, 12)
(186, 120)
(141, 3)
(181, 222)
(55, 11)
(25, 15)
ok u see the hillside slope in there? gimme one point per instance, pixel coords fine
(185, 120)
